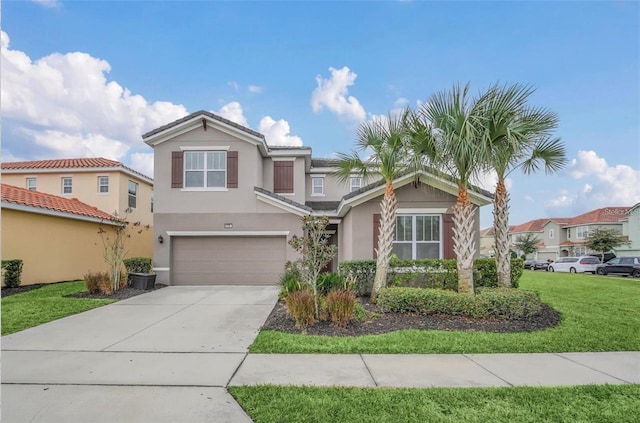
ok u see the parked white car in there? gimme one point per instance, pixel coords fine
(575, 264)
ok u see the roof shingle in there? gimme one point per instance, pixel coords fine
(79, 163)
(24, 197)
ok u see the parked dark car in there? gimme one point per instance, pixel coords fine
(536, 265)
(628, 266)
(607, 256)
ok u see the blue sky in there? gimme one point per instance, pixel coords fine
(88, 78)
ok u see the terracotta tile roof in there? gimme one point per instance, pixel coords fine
(603, 215)
(535, 225)
(24, 197)
(79, 163)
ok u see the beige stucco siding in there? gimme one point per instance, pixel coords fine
(232, 200)
(57, 249)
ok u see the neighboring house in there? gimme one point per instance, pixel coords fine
(56, 238)
(487, 242)
(226, 203)
(106, 184)
(562, 237)
(630, 221)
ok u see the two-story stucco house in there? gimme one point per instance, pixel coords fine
(106, 184)
(226, 203)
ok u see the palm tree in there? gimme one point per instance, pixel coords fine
(387, 142)
(455, 124)
(517, 137)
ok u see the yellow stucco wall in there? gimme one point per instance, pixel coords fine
(58, 249)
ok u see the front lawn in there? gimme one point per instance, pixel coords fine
(598, 314)
(599, 403)
(42, 305)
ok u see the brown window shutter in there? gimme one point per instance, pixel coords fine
(283, 177)
(177, 164)
(447, 236)
(232, 169)
(376, 232)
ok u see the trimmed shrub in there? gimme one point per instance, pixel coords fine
(301, 306)
(425, 273)
(98, 282)
(138, 265)
(362, 272)
(341, 306)
(489, 302)
(12, 271)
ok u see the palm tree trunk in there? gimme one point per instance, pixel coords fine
(501, 229)
(463, 242)
(385, 238)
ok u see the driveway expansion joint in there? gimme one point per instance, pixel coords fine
(591, 368)
(486, 370)
(366, 366)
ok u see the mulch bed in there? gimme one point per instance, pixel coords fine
(121, 294)
(389, 322)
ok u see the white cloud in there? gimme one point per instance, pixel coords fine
(333, 94)
(489, 180)
(563, 201)
(529, 198)
(587, 188)
(401, 102)
(48, 3)
(277, 132)
(143, 163)
(66, 104)
(255, 89)
(234, 85)
(233, 111)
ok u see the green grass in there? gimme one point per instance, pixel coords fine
(599, 313)
(595, 403)
(33, 308)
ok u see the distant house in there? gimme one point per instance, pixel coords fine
(562, 237)
(55, 237)
(487, 242)
(226, 203)
(631, 230)
(106, 184)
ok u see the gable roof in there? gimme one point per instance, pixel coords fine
(536, 225)
(202, 113)
(603, 215)
(79, 164)
(39, 202)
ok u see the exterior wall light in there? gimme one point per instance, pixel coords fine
(160, 239)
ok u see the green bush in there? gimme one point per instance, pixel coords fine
(341, 306)
(425, 273)
(488, 302)
(12, 270)
(98, 282)
(328, 282)
(290, 280)
(138, 265)
(300, 305)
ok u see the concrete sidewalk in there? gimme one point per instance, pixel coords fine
(439, 370)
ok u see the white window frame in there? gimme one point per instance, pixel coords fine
(568, 233)
(414, 242)
(65, 185)
(102, 185)
(355, 183)
(582, 232)
(204, 170)
(315, 179)
(133, 196)
(33, 187)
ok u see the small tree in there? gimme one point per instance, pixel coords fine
(115, 243)
(604, 240)
(316, 253)
(527, 243)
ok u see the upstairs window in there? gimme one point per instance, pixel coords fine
(133, 194)
(31, 184)
(417, 237)
(551, 234)
(103, 184)
(67, 186)
(283, 177)
(568, 233)
(355, 183)
(317, 185)
(205, 169)
(582, 232)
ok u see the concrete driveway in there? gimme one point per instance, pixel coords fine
(165, 356)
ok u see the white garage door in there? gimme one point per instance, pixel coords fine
(227, 260)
